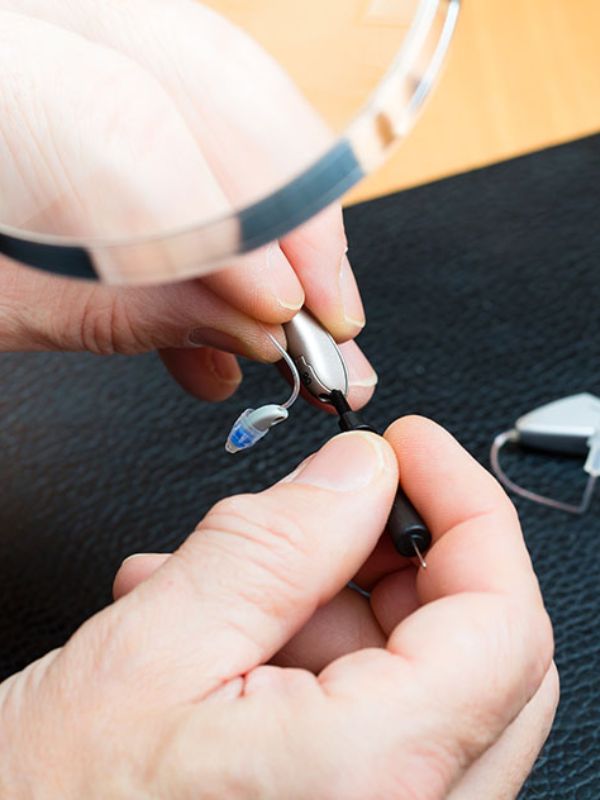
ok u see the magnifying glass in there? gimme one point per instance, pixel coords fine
(159, 147)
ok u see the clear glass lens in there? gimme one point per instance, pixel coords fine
(158, 137)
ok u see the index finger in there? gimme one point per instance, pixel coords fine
(478, 545)
(256, 130)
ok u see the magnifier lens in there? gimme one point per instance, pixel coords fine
(158, 139)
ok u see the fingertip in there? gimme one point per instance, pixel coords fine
(261, 284)
(318, 253)
(331, 316)
(362, 378)
(426, 449)
(350, 462)
(445, 482)
(268, 352)
(136, 569)
(204, 372)
(412, 428)
(342, 329)
(478, 544)
(359, 396)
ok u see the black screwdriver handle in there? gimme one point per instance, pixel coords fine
(409, 533)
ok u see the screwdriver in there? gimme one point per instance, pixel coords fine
(323, 372)
(408, 532)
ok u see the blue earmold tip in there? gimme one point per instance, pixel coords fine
(251, 426)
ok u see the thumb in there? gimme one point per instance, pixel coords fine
(252, 574)
(136, 569)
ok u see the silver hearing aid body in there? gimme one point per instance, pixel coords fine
(564, 426)
(316, 356)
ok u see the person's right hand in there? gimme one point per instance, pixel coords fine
(240, 666)
(137, 118)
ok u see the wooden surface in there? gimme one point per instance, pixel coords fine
(521, 75)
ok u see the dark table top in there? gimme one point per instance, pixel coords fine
(483, 295)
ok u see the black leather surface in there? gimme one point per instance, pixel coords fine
(483, 294)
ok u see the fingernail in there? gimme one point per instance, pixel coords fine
(370, 380)
(347, 463)
(282, 281)
(354, 312)
(212, 338)
(224, 367)
(360, 370)
(144, 555)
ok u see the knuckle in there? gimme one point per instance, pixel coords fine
(24, 320)
(424, 772)
(523, 628)
(203, 772)
(274, 548)
(535, 645)
(549, 697)
(94, 322)
(259, 522)
(105, 327)
(543, 641)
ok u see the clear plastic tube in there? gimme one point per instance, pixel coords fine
(293, 369)
(512, 436)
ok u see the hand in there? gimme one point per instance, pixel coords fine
(111, 124)
(241, 667)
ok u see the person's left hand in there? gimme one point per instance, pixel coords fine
(198, 333)
(86, 85)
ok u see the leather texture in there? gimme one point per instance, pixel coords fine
(483, 295)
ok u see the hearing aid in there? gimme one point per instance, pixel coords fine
(316, 362)
(569, 426)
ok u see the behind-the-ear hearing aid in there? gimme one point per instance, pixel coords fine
(570, 426)
(315, 360)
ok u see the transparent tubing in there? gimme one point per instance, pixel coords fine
(512, 436)
(293, 369)
(196, 250)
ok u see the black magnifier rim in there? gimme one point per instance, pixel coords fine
(72, 262)
(267, 220)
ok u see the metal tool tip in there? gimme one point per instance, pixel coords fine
(419, 555)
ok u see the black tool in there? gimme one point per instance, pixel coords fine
(323, 373)
(409, 533)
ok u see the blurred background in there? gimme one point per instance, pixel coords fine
(521, 75)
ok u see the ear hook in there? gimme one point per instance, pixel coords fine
(512, 436)
(570, 425)
(254, 424)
